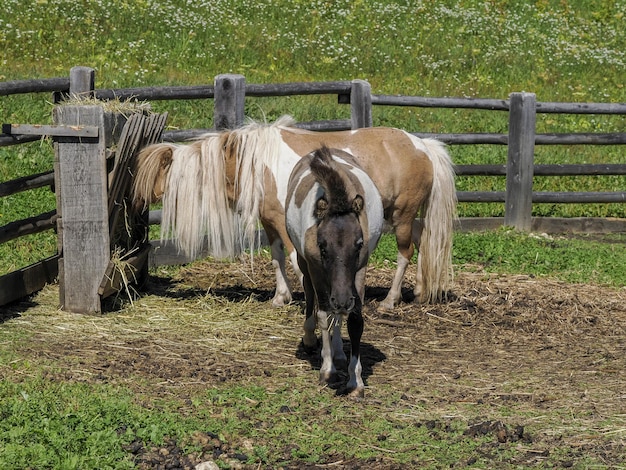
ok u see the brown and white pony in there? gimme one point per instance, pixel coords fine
(334, 217)
(223, 183)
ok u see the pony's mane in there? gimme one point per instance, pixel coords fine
(333, 182)
(196, 202)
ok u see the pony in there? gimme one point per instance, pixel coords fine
(334, 217)
(224, 183)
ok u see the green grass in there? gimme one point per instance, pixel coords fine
(570, 51)
(38, 416)
(577, 260)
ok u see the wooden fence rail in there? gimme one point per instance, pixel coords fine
(229, 93)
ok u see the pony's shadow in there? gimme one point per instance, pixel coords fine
(379, 293)
(166, 287)
(370, 356)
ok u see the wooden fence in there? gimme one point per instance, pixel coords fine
(229, 93)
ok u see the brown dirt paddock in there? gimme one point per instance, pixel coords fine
(544, 347)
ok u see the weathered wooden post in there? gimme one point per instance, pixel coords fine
(81, 186)
(82, 82)
(229, 101)
(521, 150)
(361, 104)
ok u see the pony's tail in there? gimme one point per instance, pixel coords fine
(438, 221)
(151, 167)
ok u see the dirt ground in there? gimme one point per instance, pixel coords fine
(540, 345)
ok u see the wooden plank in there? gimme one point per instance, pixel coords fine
(428, 102)
(128, 228)
(120, 272)
(15, 87)
(166, 253)
(581, 108)
(28, 226)
(554, 225)
(50, 130)
(573, 197)
(546, 170)
(27, 182)
(25, 281)
(597, 225)
(82, 203)
(481, 196)
(157, 93)
(298, 88)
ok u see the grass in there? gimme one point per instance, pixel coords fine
(38, 416)
(561, 51)
(585, 259)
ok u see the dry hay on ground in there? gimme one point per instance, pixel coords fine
(542, 346)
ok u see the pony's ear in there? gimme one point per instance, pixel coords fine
(321, 208)
(357, 204)
(167, 156)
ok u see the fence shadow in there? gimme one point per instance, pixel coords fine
(15, 309)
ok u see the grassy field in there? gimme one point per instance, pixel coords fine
(69, 400)
(561, 51)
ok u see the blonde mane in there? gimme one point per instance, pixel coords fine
(195, 203)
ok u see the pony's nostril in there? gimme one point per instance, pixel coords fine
(347, 304)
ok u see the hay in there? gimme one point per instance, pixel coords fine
(536, 345)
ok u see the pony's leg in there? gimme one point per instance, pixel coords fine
(339, 357)
(355, 386)
(327, 370)
(393, 296)
(283, 292)
(405, 252)
(293, 257)
(309, 339)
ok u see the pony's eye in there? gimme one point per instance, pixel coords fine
(322, 247)
(359, 244)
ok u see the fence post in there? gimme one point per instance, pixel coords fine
(82, 206)
(519, 171)
(82, 82)
(361, 104)
(229, 101)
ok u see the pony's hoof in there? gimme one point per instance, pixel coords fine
(280, 301)
(386, 307)
(357, 394)
(310, 343)
(328, 378)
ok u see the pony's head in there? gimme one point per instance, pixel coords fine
(340, 238)
(151, 169)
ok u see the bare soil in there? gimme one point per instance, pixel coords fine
(542, 346)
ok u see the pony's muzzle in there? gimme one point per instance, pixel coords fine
(343, 306)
